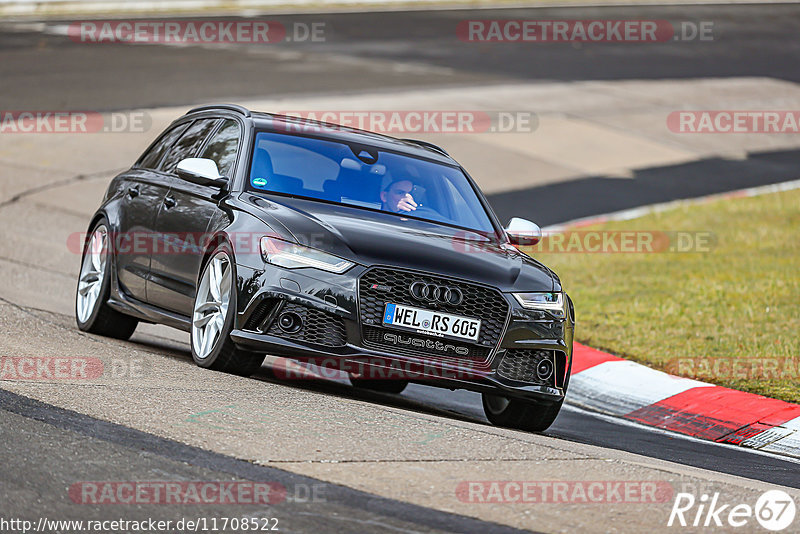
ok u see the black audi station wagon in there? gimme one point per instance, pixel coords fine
(264, 234)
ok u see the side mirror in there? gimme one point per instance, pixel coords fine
(201, 171)
(523, 232)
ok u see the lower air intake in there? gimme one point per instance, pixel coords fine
(528, 365)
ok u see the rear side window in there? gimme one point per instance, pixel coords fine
(224, 146)
(150, 159)
(188, 144)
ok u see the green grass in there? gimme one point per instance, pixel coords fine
(730, 316)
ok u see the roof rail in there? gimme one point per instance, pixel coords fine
(428, 145)
(230, 107)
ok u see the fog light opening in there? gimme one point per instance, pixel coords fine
(290, 322)
(544, 369)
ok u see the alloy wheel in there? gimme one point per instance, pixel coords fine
(93, 272)
(211, 304)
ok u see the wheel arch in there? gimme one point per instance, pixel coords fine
(213, 243)
(101, 214)
(113, 228)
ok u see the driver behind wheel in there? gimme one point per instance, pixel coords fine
(396, 197)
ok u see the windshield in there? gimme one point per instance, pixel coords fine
(365, 177)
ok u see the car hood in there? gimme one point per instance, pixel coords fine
(374, 238)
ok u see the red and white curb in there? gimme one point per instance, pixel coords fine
(605, 383)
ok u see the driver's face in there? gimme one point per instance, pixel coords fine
(395, 195)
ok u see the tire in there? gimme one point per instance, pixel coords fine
(519, 414)
(212, 347)
(382, 386)
(92, 312)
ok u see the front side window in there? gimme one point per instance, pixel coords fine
(151, 158)
(365, 177)
(224, 146)
(188, 144)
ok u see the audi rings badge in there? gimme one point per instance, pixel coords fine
(433, 293)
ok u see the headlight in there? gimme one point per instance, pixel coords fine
(294, 256)
(552, 302)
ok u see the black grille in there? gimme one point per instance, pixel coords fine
(319, 327)
(520, 365)
(480, 302)
(374, 336)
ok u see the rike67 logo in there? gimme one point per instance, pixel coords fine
(774, 510)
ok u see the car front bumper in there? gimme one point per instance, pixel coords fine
(525, 332)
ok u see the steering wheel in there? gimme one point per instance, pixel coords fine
(425, 212)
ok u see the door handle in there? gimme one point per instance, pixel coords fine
(169, 202)
(133, 192)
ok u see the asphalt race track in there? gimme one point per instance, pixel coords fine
(384, 463)
(749, 40)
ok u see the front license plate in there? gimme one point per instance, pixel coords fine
(431, 322)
